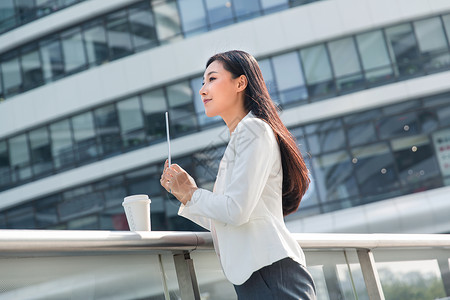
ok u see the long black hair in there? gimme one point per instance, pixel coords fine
(257, 99)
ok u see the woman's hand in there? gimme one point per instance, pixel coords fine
(178, 182)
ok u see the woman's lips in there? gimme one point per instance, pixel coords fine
(206, 101)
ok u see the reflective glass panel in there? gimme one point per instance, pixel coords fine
(95, 41)
(107, 125)
(416, 163)
(19, 156)
(446, 20)
(400, 125)
(403, 49)
(62, 144)
(21, 218)
(4, 164)
(361, 134)
(441, 142)
(345, 63)
(45, 211)
(33, 75)
(375, 171)
(73, 50)
(430, 35)
(12, 77)
(84, 137)
(26, 10)
(182, 109)
(168, 23)
(41, 151)
(246, 9)
(52, 61)
(274, 5)
(131, 122)
(219, 11)
(154, 105)
(7, 15)
(317, 70)
(289, 76)
(193, 16)
(267, 71)
(334, 177)
(143, 31)
(432, 43)
(374, 56)
(118, 32)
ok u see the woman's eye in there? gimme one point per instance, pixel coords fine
(212, 78)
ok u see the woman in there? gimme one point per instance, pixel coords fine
(262, 177)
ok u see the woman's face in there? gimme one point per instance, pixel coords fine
(219, 91)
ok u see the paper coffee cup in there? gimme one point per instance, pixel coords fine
(137, 210)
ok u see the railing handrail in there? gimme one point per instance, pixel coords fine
(39, 242)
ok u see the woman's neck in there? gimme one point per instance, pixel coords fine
(233, 119)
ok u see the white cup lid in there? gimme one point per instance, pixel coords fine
(136, 198)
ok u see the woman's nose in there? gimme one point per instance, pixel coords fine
(202, 90)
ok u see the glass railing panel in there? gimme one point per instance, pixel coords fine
(337, 274)
(211, 279)
(127, 276)
(413, 274)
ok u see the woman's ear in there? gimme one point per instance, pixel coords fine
(242, 83)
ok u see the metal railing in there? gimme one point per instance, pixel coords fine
(175, 253)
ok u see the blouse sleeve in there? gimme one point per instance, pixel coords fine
(253, 162)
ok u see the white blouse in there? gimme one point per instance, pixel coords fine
(244, 212)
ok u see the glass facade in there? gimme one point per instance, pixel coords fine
(354, 160)
(15, 13)
(297, 77)
(135, 28)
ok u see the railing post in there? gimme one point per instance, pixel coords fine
(187, 281)
(445, 274)
(370, 274)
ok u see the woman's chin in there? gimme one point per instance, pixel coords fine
(210, 113)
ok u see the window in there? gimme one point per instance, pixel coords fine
(118, 32)
(335, 179)
(416, 163)
(403, 50)
(317, 70)
(73, 51)
(95, 41)
(374, 56)
(62, 145)
(4, 165)
(267, 71)
(290, 82)
(446, 20)
(154, 106)
(182, 111)
(219, 12)
(19, 157)
(33, 75)
(326, 136)
(7, 15)
(131, 122)
(52, 62)
(168, 25)
(107, 125)
(347, 69)
(362, 133)
(399, 125)
(432, 43)
(12, 77)
(142, 24)
(375, 172)
(193, 16)
(40, 151)
(84, 137)
(274, 5)
(246, 9)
